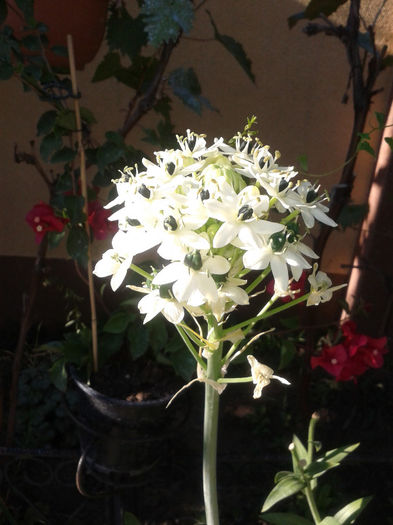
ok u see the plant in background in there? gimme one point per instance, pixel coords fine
(222, 218)
(304, 480)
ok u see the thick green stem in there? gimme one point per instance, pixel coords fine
(312, 505)
(210, 439)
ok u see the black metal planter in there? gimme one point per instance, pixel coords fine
(122, 441)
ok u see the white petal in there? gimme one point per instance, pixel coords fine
(280, 272)
(225, 234)
(216, 264)
(257, 259)
(170, 273)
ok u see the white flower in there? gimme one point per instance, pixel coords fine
(261, 376)
(192, 281)
(229, 293)
(239, 215)
(278, 253)
(321, 287)
(152, 304)
(306, 200)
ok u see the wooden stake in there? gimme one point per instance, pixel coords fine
(78, 120)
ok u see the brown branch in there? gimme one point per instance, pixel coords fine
(149, 99)
(25, 325)
(31, 158)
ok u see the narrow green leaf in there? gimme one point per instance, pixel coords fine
(336, 455)
(303, 162)
(329, 520)
(285, 488)
(300, 449)
(281, 518)
(319, 467)
(282, 474)
(234, 48)
(350, 512)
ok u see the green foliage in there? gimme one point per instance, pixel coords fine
(303, 480)
(166, 19)
(125, 33)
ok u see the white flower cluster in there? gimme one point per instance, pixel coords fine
(213, 213)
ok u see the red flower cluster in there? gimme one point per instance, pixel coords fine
(42, 219)
(98, 220)
(353, 356)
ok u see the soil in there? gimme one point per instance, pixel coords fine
(135, 380)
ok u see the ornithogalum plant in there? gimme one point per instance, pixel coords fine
(222, 218)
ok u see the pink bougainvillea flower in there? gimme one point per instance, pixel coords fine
(98, 221)
(42, 219)
(353, 356)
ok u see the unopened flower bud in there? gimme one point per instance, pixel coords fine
(193, 260)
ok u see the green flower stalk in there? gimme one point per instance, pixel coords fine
(223, 218)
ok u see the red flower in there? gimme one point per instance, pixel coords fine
(98, 220)
(43, 219)
(353, 356)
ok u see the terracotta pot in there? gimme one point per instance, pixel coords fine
(83, 19)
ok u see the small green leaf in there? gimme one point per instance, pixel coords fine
(285, 488)
(185, 85)
(66, 120)
(234, 48)
(58, 375)
(138, 338)
(49, 144)
(365, 146)
(108, 67)
(108, 153)
(64, 155)
(350, 512)
(300, 449)
(389, 141)
(74, 208)
(281, 518)
(46, 122)
(117, 323)
(303, 162)
(325, 7)
(87, 115)
(125, 33)
(77, 244)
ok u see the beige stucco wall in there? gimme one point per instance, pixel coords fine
(297, 96)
